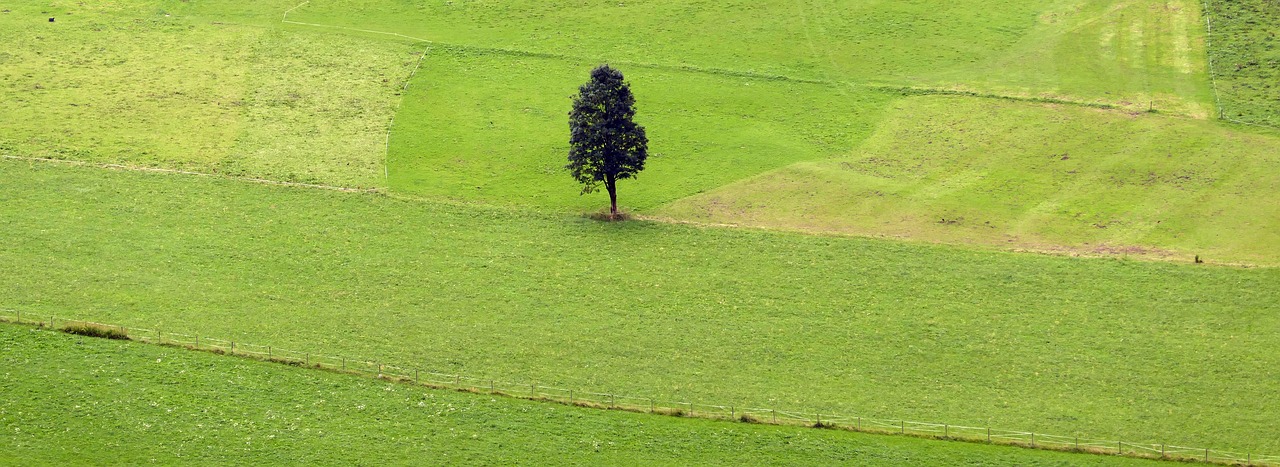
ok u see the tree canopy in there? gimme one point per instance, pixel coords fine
(605, 145)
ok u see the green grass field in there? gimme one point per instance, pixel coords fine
(1246, 56)
(841, 325)
(922, 122)
(144, 88)
(1030, 176)
(130, 403)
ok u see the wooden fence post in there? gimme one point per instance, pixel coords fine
(902, 429)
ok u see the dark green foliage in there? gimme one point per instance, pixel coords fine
(605, 145)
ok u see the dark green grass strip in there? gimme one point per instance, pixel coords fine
(1244, 51)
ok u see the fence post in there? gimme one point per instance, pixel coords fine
(732, 414)
(308, 358)
(491, 386)
(988, 435)
(946, 431)
(269, 355)
(1206, 454)
(1162, 450)
(775, 416)
(1077, 442)
(612, 402)
(344, 363)
(158, 339)
(51, 321)
(690, 409)
(533, 390)
(1033, 440)
(902, 429)
(817, 419)
(415, 375)
(1119, 447)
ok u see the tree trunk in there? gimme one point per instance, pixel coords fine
(611, 184)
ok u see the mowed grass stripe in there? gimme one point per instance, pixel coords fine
(1029, 176)
(1116, 349)
(75, 400)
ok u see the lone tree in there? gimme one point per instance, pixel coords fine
(604, 144)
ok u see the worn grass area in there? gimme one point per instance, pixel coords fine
(1151, 352)
(1030, 176)
(74, 400)
(1246, 59)
(1126, 53)
(492, 127)
(127, 82)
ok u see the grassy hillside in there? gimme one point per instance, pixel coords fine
(493, 127)
(1125, 53)
(1246, 59)
(73, 400)
(1032, 176)
(128, 82)
(862, 327)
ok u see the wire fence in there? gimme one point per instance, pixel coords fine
(605, 400)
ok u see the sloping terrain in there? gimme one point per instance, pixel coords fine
(74, 400)
(1029, 176)
(720, 316)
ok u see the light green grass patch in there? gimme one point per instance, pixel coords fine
(74, 400)
(1019, 175)
(493, 127)
(1146, 352)
(135, 84)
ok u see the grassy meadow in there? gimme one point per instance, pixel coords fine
(110, 84)
(1031, 176)
(1124, 53)
(490, 127)
(1246, 56)
(888, 156)
(129, 403)
(749, 318)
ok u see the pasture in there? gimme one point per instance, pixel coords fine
(742, 317)
(886, 165)
(131, 403)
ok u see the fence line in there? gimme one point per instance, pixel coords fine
(1207, 11)
(533, 390)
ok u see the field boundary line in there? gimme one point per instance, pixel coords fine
(384, 370)
(391, 126)
(136, 168)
